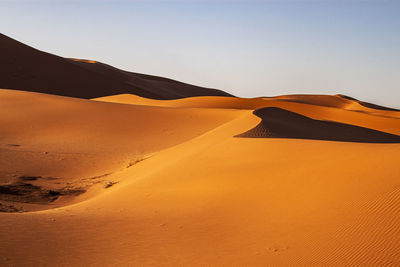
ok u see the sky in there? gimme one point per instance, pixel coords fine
(248, 48)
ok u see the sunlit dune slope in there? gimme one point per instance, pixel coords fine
(331, 101)
(201, 196)
(25, 68)
(68, 138)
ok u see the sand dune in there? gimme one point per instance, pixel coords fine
(386, 121)
(280, 123)
(369, 105)
(212, 198)
(342, 102)
(89, 182)
(125, 180)
(82, 78)
(331, 101)
(81, 141)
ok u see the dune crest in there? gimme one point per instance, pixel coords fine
(83, 60)
(281, 123)
(368, 105)
(25, 68)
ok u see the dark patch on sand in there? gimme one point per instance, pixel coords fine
(34, 178)
(29, 178)
(29, 193)
(281, 123)
(15, 145)
(8, 208)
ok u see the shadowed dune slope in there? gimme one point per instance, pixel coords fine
(281, 123)
(25, 68)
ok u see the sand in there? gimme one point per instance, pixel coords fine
(103, 167)
(185, 191)
(281, 123)
(87, 140)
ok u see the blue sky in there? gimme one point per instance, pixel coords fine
(248, 48)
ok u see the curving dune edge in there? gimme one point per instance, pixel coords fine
(281, 123)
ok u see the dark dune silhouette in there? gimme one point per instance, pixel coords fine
(25, 68)
(281, 123)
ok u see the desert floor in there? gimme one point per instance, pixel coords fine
(129, 181)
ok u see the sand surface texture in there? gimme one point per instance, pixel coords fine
(129, 181)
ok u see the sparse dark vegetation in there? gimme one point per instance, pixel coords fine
(8, 208)
(139, 156)
(29, 193)
(109, 184)
(29, 178)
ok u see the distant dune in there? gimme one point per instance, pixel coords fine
(25, 68)
(369, 105)
(331, 101)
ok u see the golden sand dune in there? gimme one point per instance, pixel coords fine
(374, 119)
(67, 140)
(331, 101)
(167, 183)
(25, 68)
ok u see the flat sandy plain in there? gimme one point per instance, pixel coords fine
(124, 180)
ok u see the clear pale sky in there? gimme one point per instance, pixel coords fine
(248, 48)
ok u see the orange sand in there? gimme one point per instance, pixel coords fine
(189, 193)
